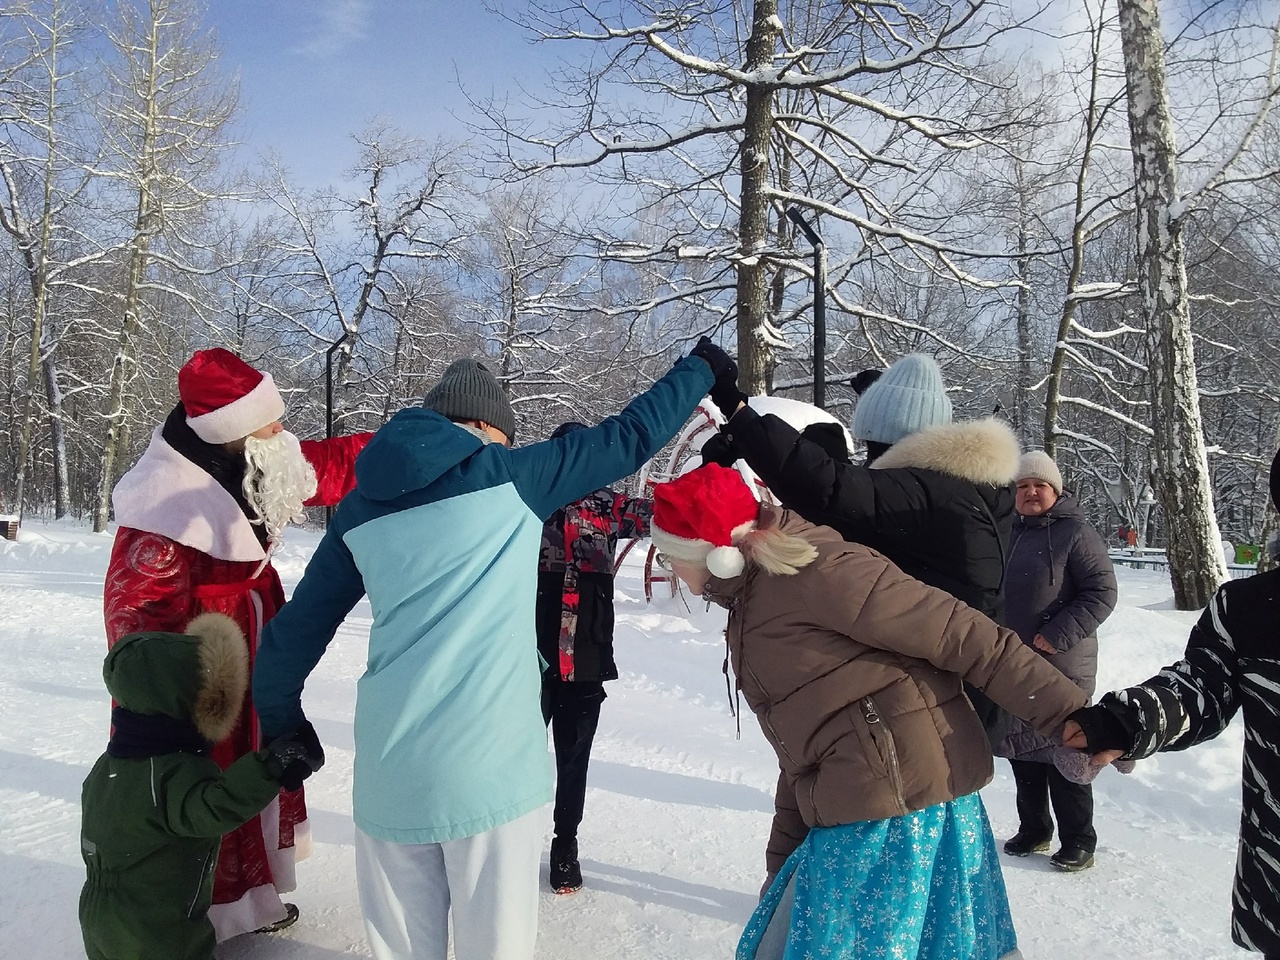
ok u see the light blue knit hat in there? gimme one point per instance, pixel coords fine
(908, 397)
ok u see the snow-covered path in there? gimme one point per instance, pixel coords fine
(678, 809)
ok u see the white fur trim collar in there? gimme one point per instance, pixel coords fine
(166, 493)
(981, 451)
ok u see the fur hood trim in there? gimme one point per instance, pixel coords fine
(981, 451)
(224, 674)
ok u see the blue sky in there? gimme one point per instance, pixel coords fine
(312, 72)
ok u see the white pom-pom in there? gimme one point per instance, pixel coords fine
(725, 562)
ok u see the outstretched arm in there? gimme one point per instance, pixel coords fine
(555, 472)
(195, 804)
(802, 475)
(334, 461)
(1184, 704)
(877, 604)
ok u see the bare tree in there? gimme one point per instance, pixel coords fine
(1090, 214)
(760, 106)
(42, 176)
(164, 119)
(347, 256)
(1181, 470)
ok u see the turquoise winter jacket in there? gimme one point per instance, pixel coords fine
(442, 532)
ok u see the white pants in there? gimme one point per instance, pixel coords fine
(488, 882)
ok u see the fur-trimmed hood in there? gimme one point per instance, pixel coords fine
(200, 676)
(980, 451)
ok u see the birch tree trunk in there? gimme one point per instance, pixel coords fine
(33, 233)
(165, 109)
(1022, 390)
(755, 353)
(139, 250)
(1181, 469)
(57, 438)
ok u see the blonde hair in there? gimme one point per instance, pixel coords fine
(776, 553)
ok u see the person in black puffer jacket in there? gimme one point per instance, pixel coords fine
(935, 497)
(1059, 588)
(1232, 663)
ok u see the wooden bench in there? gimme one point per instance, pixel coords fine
(9, 527)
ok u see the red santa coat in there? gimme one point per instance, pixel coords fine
(184, 547)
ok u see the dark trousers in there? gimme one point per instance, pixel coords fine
(1040, 783)
(572, 708)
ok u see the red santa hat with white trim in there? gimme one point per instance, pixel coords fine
(225, 398)
(700, 516)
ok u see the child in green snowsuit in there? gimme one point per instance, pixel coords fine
(155, 805)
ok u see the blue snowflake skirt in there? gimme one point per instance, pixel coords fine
(925, 886)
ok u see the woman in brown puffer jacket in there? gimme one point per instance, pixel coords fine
(854, 670)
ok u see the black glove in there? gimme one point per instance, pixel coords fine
(830, 437)
(1104, 728)
(724, 392)
(719, 449)
(295, 756)
(861, 382)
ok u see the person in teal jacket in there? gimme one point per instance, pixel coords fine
(442, 532)
(155, 805)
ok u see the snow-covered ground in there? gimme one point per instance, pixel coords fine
(678, 810)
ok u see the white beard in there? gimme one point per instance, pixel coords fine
(277, 480)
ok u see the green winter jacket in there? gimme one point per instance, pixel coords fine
(151, 825)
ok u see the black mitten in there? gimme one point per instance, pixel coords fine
(724, 392)
(719, 449)
(861, 382)
(1103, 729)
(295, 756)
(830, 437)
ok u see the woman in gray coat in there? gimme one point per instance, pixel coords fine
(1059, 587)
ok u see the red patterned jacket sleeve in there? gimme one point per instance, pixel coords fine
(148, 585)
(334, 461)
(631, 516)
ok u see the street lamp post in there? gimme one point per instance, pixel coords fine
(328, 399)
(819, 306)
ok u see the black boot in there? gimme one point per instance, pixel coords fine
(1072, 859)
(290, 918)
(566, 872)
(1023, 845)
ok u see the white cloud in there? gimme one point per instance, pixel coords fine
(339, 23)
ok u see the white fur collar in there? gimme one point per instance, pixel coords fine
(166, 493)
(982, 451)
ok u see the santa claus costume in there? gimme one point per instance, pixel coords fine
(191, 540)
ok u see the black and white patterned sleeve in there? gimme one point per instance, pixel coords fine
(1192, 700)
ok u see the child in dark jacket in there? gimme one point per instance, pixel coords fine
(155, 805)
(1230, 666)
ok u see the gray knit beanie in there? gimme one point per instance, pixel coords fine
(907, 397)
(468, 391)
(1038, 465)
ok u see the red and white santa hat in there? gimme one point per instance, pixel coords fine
(225, 398)
(699, 517)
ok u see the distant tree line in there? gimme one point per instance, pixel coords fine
(1071, 205)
